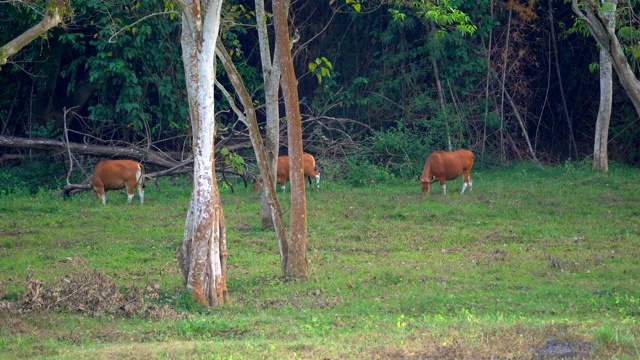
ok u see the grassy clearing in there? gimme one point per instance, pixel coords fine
(532, 258)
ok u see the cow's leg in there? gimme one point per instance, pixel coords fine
(99, 191)
(129, 188)
(101, 194)
(140, 193)
(318, 181)
(443, 183)
(467, 182)
(282, 182)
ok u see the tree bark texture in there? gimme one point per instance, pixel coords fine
(600, 151)
(271, 75)
(203, 252)
(296, 261)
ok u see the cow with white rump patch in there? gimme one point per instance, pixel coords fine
(116, 175)
(442, 166)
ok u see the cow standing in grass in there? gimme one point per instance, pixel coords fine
(282, 173)
(116, 175)
(442, 166)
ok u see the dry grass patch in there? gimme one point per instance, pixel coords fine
(88, 291)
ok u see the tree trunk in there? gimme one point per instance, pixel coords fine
(296, 261)
(486, 87)
(271, 74)
(503, 155)
(443, 106)
(600, 156)
(572, 141)
(274, 209)
(523, 128)
(203, 252)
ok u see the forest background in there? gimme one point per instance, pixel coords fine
(380, 87)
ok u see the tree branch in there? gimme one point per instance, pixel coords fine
(52, 19)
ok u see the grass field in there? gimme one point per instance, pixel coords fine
(534, 263)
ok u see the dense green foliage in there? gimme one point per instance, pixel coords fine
(533, 255)
(368, 72)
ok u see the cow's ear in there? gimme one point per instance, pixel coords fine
(433, 179)
(420, 179)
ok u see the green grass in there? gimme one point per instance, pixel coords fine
(532, 255)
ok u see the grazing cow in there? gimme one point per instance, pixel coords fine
(442, 166)
(282, 173)
(116, 175)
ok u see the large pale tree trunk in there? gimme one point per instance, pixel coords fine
(600, 155)
(590, 13)
(271, 74)
(296, 259)
(203, 253)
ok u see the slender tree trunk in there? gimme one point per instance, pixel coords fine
(572, 140)
(600, 156)
(203, 252)
(271, 74)
(268, 188)
(443, 105)
(296, 261)
(523, 128)
(486, 88)
(504, 74)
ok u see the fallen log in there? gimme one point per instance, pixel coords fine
(146, 156)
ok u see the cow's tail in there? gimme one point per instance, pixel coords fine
(140, 179)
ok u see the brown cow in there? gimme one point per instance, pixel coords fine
(442, 166)
(282, 173)
(116, 175)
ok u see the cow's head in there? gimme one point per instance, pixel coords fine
(426, 184)
(257, 184)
